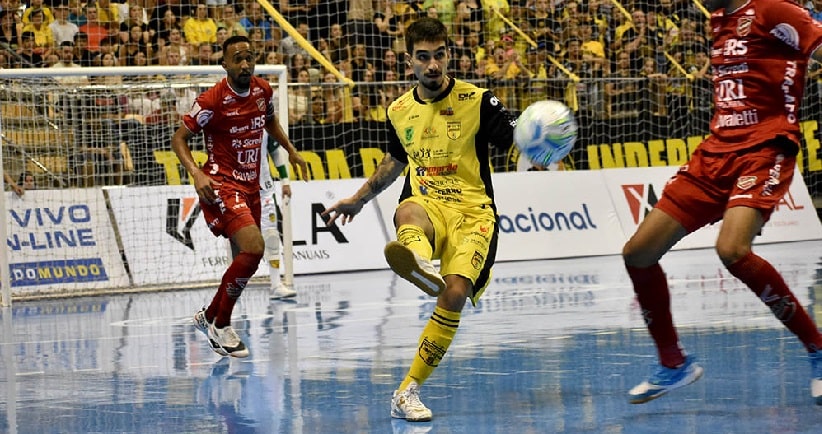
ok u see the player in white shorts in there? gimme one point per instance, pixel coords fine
(269, 220)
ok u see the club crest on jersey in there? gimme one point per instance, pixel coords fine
(261, 104)
(743, 26)
(745, 182)
(453, 130)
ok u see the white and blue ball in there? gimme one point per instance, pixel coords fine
(545, 132)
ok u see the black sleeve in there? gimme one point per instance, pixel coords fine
(496, 122)
(394, 147)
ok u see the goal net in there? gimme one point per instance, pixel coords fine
(82, 134)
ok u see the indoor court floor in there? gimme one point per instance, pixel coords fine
(553, 347)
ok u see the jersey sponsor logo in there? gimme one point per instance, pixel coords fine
(447, 112)
(725, 70)
(734, 47)
(453, 130)
(409, 135)
(743, 26)
(261, 104)
(790, 100)
(203, 117)
(477, 260)
(739, 119)
(787, 34)
(467, 96)
(429, 133)
(437, 170)
(494, 101)
(745, 182)
(773, 176)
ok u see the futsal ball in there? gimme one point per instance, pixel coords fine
(545, 132)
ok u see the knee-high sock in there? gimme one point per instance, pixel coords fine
(770, 287)
(434, 342)
(234, 280)
(414, 238)
(651, 288)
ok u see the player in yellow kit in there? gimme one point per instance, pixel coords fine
(440, 130)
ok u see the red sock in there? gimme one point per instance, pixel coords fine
(651, 288)
(234, 280)
(768, 285)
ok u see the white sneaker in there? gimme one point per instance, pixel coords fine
(282, 291)
(411, 267)
(407, 405)
(202, 324)
(227, 339)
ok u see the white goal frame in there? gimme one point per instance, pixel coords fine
(280, 71)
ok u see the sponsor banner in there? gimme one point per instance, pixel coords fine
(60, 242)
(165, 238)
(543, 215)
(636, 191)
(555, 214)
(318, 248)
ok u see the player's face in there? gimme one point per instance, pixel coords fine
(238, 63)
(428, 61)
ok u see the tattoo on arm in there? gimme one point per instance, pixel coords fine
(385, 175)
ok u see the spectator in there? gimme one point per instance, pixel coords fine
(76, 14)
(204, 53)
(255, 18)
(318, 116)
(290, 46)
(621, 90)
(163, 27)
(387, 29)
(359, 25)
(231, 22)
(653, 91)
(135, 42)
(29, 57)
(82, 55)
(333, 99)
(43, 38)
(108, 14)
(135, 19)
(389, 62)
(8, 30)
(175, 44)
(200, 29)
(67, 61)
(108, 45)
(217, 51)
(27, 181)
(466, 69)
(166, 114)
(50, 60)
(338, 46)
(109, 60)
(95, 30)
(446, 11)
(494, 25)
(545, 24)
(61, 27)
(469, 19)
(299, 96)
(34, 5)
(258, 45)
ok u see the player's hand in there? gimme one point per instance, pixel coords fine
(297, 161)
(18, 190)
(347, 208)
(205, 187)
(286, 191)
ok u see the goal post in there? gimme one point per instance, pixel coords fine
(97, 139)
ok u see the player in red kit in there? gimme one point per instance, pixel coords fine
(232, 116)
(738, 175)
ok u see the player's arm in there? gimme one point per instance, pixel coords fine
(386, 173)
(203, 184)
(276, 132)
(280, 160)
(496, 122)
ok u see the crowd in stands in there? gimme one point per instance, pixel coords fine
(600, 56)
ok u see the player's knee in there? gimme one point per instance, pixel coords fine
(730, 253)
(271, 237)
(632, 256)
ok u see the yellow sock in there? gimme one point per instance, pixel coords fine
(434, 342)
(414, 238)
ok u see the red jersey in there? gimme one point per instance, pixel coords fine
(233, 127)
(759, 57)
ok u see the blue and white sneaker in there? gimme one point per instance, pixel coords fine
(816, 373)
(202, 324)
(666, 379)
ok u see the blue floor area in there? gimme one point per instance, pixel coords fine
(553, 347)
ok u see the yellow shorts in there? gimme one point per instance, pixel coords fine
(465, 241)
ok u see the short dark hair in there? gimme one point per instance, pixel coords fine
(425, 29)
(28, 34)
(67, 44)
(236, 39)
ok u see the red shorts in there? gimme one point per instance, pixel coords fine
(710, 183)
(233, 211)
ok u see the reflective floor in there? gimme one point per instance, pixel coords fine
(553, 347)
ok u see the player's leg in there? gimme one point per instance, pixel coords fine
(410, 256)
(740, 226)
(463, 263)
(271, 237)
(686, 205)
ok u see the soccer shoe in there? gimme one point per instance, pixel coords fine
(411, 267)
(665, 380)
(281, 291)
(228, 340)
(202, 324)
(406, 405)
(816, 373)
